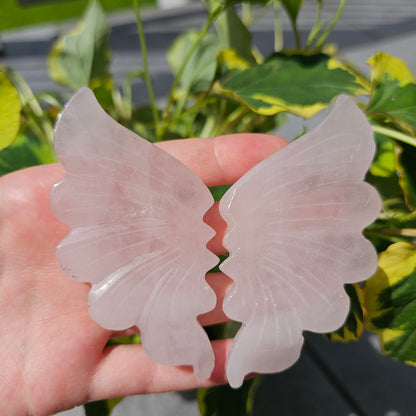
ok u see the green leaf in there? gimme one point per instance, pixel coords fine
(101, 407)
(10, 108)
(406, 167)
(390, 192)
(200, 70)
(134, 339)
(395, 226)
(300, 84)
(353, 326)
(226, 401)
(26, 151)
(393, 94)
(234, 35)
(81, 57)
(391, 302)
(219, 191)
(384, 163)
(111, 403)
(97, 408)
(292, 8)
(143, 123)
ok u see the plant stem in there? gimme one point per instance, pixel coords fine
(404, 138)
(278, 27)
(203, 101)
(295, 33)
(405, 232)
(146, 74)
(316, 27)
(388, 237)
(166, 114)
(234, 118)
(323, 37)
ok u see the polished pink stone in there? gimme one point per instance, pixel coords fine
(137, 234)
(294, 234)
(294, 237)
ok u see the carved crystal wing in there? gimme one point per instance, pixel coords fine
(294, 237)
(137, 234)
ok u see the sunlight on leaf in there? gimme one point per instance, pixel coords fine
(393, 68)
(10, 108)
(384, 163)
(229, 60)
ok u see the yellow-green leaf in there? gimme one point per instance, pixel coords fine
(300, 84)
(382, 64)
(393, 94)
(229, 59)
(392, 108)
(384, 163)
(10, 108)
(391, 302)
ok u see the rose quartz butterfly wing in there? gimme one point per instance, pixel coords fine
(294, 237)
(295, 223)
(137, 234)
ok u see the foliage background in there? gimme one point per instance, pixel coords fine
(14, 15)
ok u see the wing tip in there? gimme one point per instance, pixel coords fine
(73, 109)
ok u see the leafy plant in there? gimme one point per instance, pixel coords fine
(222, 85)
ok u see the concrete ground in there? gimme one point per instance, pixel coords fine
(329, 379)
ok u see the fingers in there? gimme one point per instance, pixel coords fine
(224, 159)
(126, 369)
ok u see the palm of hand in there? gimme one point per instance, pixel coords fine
(50, 345)
(53, 355)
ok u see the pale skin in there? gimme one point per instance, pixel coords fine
(53, 356)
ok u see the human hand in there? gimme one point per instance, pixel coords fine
(53, 355)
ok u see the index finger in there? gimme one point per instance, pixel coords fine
(223, 159)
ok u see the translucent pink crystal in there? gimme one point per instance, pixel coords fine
(294, 237)
(137, 234)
